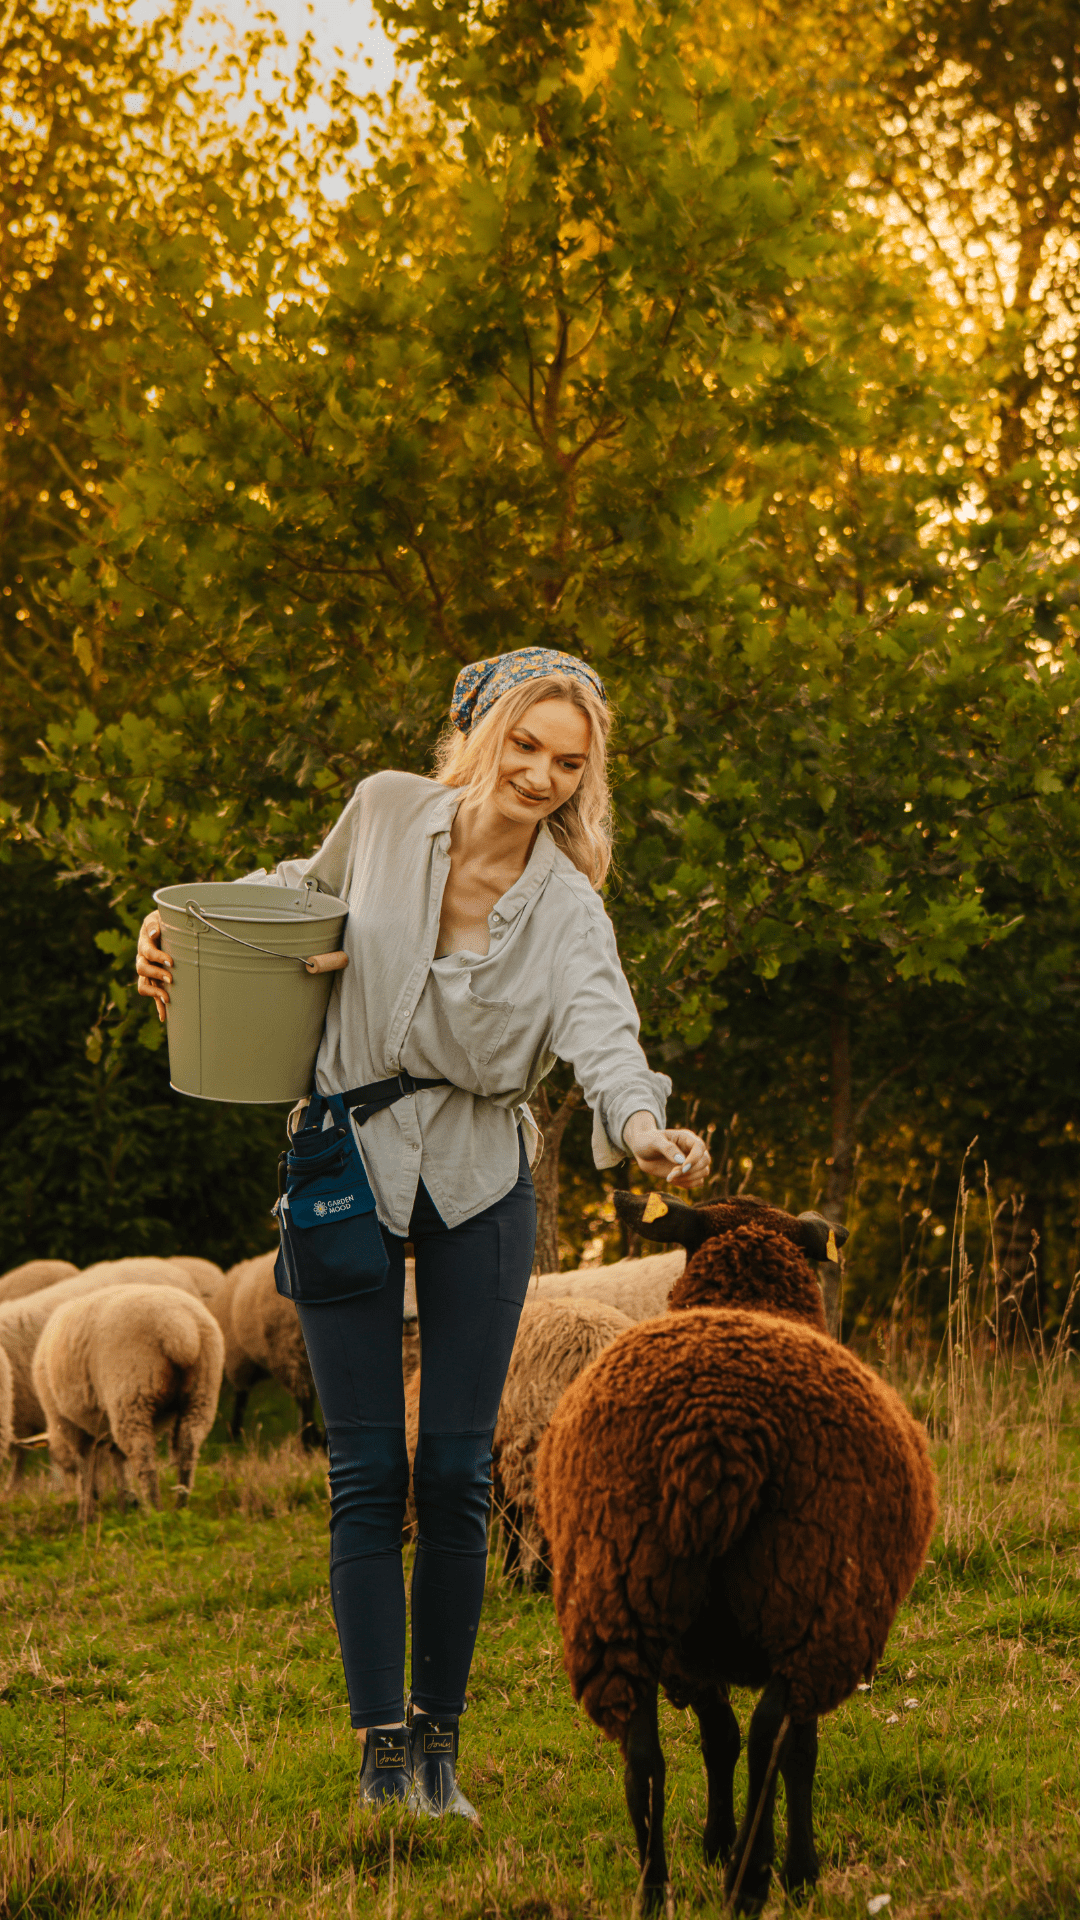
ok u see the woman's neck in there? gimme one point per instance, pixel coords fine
(482, 834)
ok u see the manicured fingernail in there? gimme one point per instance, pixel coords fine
(167, 977)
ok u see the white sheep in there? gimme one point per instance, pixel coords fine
(32, 1276)
(205, 1273)
(263, 1337)
(556, 1340)
(639, 1288)
(123, 1363)
(7, 1395)
(23, 1321)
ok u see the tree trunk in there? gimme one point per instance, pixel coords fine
(842, 1159)
(552, 1123)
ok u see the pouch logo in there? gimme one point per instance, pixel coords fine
(326, 1209)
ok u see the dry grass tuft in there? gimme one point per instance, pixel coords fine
(1000, 1399)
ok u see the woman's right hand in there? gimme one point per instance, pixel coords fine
(152, 964)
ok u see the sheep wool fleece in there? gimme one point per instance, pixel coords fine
(767, 1493)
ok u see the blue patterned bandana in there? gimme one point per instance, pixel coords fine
(478, 686)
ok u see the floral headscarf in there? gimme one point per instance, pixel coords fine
(479, 685)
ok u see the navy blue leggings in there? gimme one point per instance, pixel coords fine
(471, 1283)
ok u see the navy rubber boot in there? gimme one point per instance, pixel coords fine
(435, 1790)
(387, 1770)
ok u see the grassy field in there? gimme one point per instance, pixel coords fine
(175, 1739)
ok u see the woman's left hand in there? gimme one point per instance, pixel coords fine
(673, 1154)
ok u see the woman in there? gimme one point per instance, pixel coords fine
(479, 954)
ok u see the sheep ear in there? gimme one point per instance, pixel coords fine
(820, 1238)
(657, 1216)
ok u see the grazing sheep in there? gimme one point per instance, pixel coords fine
(731, 1498)
(263, 1340)
(639, 1288)
(7, 1398)
(133, 1268)
(123, 1363)
(32, 1276)
(410, 1325)
(206, 1275)
(555, 1340)
(22, 1322)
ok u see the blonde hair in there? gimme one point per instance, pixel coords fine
(582, 826)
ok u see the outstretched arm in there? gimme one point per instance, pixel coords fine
(596, 1030)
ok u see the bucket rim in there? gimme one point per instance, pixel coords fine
(295, 908)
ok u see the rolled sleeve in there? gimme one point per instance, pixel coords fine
(596, 1032)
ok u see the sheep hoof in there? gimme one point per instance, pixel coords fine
(753, 1893)
(650, 1900)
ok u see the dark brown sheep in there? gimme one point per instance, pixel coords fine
(731, 1499)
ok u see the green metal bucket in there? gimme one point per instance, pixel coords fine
(245, 1014)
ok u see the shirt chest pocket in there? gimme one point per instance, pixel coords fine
(479, 1026)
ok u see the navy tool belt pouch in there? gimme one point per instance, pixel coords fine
(331, 1242)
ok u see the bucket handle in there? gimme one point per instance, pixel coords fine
(314, 963)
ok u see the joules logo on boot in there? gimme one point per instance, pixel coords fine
(389, 1756)
(438, 1742)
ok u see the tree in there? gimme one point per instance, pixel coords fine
(586, 315)
(100, 122)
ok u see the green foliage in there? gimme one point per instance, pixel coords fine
(603, 351)
(101, 1157)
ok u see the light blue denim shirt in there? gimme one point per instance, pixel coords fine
(550, 987)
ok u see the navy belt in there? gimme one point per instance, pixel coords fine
(383, 1093)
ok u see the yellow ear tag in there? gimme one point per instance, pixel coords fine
(655, 1209)
(830, 1248)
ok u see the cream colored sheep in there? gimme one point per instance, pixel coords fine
(263, 1338)
(22, 1323)
(133, 1267)
(639, 1288)
(122, 1363)
(7, 1395)
(410, 1325)
(556, 1340)
(206, 1275)
(32, 1276)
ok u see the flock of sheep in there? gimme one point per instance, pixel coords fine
(98, 1364)
(718, 1492)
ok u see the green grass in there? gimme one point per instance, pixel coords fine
(175, 1739)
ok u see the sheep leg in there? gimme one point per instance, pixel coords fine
(85, 1479)
(123, 1492)
(186, 1445)
(720, 1744)
(312, 1436)
(749, 1871)
(239, 1408)
(798, 1761)
(644, 1781)
(133, 1437)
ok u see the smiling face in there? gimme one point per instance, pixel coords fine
(543, 760)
